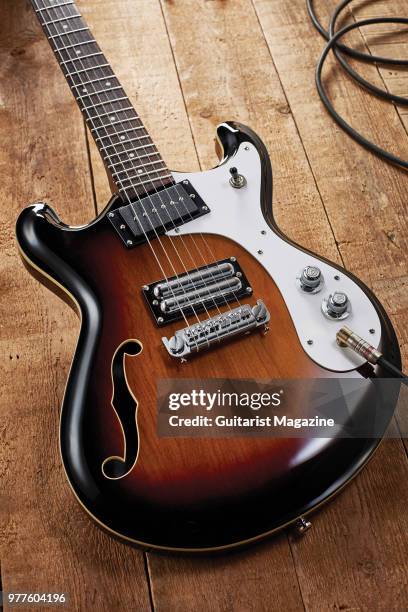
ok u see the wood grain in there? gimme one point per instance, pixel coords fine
(210, 62)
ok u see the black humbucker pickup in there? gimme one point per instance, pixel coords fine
(156, 213)
(205, 288)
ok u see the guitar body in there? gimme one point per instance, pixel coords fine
(200, 493)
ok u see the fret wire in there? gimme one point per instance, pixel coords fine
(130, 151)
(45, 8)
(101, 91)
(77, 86)
(80, 58)
(86, 108)
(48, 23)
(101, 127)
(78, 44)
(96, 80)
(70, 74)
(152, 180)
(130, 140)
(112, 112)
(123, 132)
(154, 163)
(67, 33)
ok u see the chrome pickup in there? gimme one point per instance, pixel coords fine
(203, 335)
(203, 288)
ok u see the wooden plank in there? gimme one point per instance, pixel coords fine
(47, 542)
(261, 578)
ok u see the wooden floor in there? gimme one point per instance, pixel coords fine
(188, 65)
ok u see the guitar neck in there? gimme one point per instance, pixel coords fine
(130, 156)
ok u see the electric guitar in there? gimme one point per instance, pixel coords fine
(187, 276)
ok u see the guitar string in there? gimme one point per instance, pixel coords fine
(121, 122)
(222, 295)
(122, 163)
(207, 265)
(58, 49)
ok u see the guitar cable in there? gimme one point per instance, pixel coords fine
(340, 50)
(345, 337)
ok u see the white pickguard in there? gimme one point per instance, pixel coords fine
(236, 214)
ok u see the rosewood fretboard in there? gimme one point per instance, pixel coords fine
(129, 153)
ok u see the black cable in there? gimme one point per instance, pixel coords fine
(337, 48)
(387, 365)
(360, 55)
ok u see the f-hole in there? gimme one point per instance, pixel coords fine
(125, 406)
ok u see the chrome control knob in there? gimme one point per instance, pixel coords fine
(336, 306)
(310, 279)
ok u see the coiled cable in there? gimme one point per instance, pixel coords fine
(340, 50)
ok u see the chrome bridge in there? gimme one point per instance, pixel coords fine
(203, 288)
(203, 335)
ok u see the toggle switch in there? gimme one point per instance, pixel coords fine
(237, 180)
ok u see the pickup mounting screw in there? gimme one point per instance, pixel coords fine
(185, 182)
(129, 242)
(145, 287)
(233, 259)
(160, 320)
(122, 226)
(111, 215)
(192, 196)
(249, 289)
(205, 207)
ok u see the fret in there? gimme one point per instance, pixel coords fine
(78, 44)
(144, 146)
(141, 127)
(71, 74)
(79, 58)
(141, 174)
(67, 33)
(99, 93)
(47, 8)
(131, 153)
(113, 123)
(95, 80)
(112, 112)
(126, 170)
(48, 23)
(155, 179)
(87, 108)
